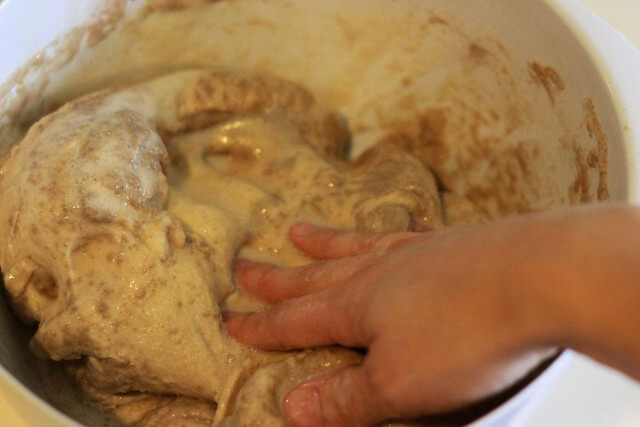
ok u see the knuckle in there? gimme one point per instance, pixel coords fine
(255, 277)
(367, 244)
(342, 399)
(349, 326)
(325, 237)
(331, 234)
(267, 289)
(268, 276)
(397, 241)
(272, 326)
(308, 274)
(387, 389)
(384, 241)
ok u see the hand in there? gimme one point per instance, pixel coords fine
(443, 316)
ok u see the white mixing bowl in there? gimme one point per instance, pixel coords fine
(595, 62)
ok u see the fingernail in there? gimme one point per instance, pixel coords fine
(249, 273)
(302, 407)
(230, 315)
(243, 264)
(419, 226)
(301, 229)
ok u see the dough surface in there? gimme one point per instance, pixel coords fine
(123, 212)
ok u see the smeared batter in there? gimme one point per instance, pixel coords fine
(123, 212)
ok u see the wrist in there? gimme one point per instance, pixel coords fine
(540, 265)
(587, 289)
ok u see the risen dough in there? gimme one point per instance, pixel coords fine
(123, 211)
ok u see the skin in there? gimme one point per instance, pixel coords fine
(443, 313)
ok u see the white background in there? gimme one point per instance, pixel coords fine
(586, 394)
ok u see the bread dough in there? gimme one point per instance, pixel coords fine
(123, 212)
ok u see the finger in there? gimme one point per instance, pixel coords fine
(329, 243)
(343, 397)
(419, 226)
(274, 284)
(313, 320)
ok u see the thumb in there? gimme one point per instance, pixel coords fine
(342, 397)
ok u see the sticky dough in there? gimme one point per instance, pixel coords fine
(124, 210)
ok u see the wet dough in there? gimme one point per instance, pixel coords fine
(123, 211)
